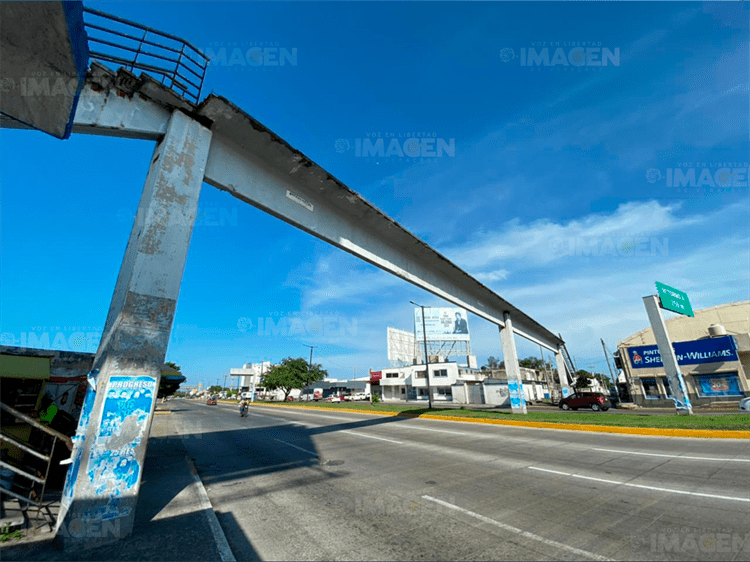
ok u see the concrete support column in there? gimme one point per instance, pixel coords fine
(562, 373)
(668, 357)
(512, 369)
(101, 488)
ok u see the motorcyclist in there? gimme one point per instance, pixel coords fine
(244, 405)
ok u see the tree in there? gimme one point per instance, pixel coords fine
(583, 380)
(492, 363)
(215, 389)
(291, 374)
(171, 379)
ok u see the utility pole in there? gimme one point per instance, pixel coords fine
(307, 388)
(426, 357)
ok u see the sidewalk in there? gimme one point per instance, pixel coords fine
(171, 522)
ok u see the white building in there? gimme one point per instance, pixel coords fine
(451, 382)
(250, 379)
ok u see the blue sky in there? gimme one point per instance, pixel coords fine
(560, 193)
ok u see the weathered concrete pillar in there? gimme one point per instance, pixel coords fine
(562, 373)
(512, 370)
(101, 489)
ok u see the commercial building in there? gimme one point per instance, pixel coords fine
(713, 353)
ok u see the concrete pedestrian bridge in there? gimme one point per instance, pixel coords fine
(65, 74)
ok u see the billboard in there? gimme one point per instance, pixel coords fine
(442, 324)
(402, 347)
(712, 350)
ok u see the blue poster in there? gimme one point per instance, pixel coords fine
(713, 350)
(725, 384)
(515, 389)
(113, 466)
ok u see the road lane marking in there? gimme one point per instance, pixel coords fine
(656, 488)
(220, 538)
(672, 456)
(521, 532)
(296, 447)
(371, 437)
(425, 429)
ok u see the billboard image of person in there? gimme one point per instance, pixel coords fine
(460, 326)
(442, 324)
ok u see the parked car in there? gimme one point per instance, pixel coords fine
(211, 401)
(317, 396)
(333, 399)
(745, 404)
(362, 396)
(594, 400)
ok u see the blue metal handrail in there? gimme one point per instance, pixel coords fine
(177, 63)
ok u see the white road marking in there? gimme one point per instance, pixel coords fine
(371, 437)
(655, 488)
(672, 456)
(296, 447)
(221, 540)
(322, 416)
(408, 426)
(521, 532)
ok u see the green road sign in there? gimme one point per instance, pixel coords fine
(674, 299)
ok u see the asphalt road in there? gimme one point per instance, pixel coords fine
(306, 485)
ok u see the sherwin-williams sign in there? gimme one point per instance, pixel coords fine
(674, 299)
(712, 350)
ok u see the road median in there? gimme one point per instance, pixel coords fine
(711, 427)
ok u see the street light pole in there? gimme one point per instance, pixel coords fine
(426, 357)
(307, 387)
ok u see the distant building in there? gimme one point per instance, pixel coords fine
(452, 382)
(713, 352)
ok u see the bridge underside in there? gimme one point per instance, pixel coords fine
(253, 164)
(44, 71)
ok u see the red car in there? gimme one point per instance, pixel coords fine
(211, 402)
(594, 400)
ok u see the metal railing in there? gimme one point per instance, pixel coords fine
(33, 498)
(177, 63)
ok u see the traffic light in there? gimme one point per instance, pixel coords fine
(618, 359)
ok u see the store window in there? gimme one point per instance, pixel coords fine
(444, 391)
(650, 389)
(667, 387)
(725, 384)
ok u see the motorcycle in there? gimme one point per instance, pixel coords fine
(243, 411)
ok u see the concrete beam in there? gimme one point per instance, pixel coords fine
(101, 489)
(256, 166)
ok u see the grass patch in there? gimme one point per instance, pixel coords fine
(730, 422)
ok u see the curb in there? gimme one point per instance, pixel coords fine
(219, 537)
(658, 432)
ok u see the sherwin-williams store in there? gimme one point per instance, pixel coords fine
(715, 362)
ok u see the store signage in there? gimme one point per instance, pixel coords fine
(713, 350)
